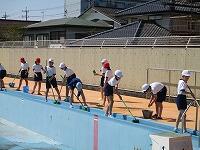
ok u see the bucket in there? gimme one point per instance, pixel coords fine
(147, 114)
(25, 89)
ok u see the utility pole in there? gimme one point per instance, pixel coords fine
(65, 8)
(5, 16)
(26, 11)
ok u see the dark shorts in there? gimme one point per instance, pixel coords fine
(53, 83)
(161, 95)
(181, 102)
(69, 79)
(24, 74)
(2, 74)
(38, 77)
(102, 81)
(108, 90)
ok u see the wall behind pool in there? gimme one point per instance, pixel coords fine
(76, 128)
(133, 61)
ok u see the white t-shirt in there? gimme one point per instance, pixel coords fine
(156, 87)
(113, 81)
(37, 68)
(103, 70)
(181, 86)
(108, 75)
(51, 71)
(24, 66)
(68, 72)
(1, 67)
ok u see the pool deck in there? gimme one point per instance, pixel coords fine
(135, 104)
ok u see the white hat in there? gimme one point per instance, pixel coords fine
(79, 86)
(119, 73)
(51, 60)
(186, 73)
(104, 60)
(62, 65)
(145, 87)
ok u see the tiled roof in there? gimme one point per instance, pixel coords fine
(69, 22)
(135, 29)
(156, 6)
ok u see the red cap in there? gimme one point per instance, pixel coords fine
(22, 59)
(106, 65)
(37, 60)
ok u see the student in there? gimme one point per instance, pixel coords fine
(158, 94)
(2, 75)
(102, 74)
(109, 91)
(76, 83)
(69, 75)
(24, 69)
(108, 76)
(37, 69)
(51, 80)
(181, 101)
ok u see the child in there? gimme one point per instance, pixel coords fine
(76, 83)
(37, 68)
(108, 76)
(181, 100)
(69, 75)
(158, 94)
(51, 80)
(24, 69)
(109, 91)
(2, 75)
(102, 74)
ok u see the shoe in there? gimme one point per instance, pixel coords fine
(110, 116)
(58, 102)
(155, 116)
(106, 115)
(71, 106)
(160, 118)
(176, 130)
(18, 90)
(55, 102)
(66, 100)
(39, 93)
(32, 92)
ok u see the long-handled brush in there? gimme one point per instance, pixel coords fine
(135, 120)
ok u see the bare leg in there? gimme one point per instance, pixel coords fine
(3, 85)
(160, 108)
(179, 118)
(101, 91)
(20, 83)
(26, 80)
(57, 90)
(39, 88)
(35, 84)
(67, 92)
(110, 104)
(157, 111)
(46, 94)
(71, 96)
(104, 100)
(83, 97)
(107, 108)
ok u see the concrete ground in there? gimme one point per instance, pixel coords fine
(136, 105)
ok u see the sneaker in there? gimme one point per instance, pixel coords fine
(55, 102)
(176, 130)
(155, 116)
(71, 106)
(66, 100)
(106, 115)
(58, 102)
(32, 92)
(39, 93)
(110, 116)
(160, 118)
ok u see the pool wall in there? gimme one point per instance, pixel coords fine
(78, 129)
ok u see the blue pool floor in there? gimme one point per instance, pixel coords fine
(13, 137)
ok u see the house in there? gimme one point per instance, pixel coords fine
(178, 17)
(64, 28)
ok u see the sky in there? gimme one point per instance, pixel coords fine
(38, 9)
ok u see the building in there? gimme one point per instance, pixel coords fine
(64, 28)
(178, 17)
(11, 30)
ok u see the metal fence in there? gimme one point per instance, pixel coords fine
(166, 41)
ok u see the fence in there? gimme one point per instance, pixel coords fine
(174, 41)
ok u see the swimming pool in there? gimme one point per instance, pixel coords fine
(78, 129)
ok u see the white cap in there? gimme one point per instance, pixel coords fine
(79, 86)
(119, 73)
(145, 87)
(51, 60)
(186, 73)
(62, 65)
(104, 60)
